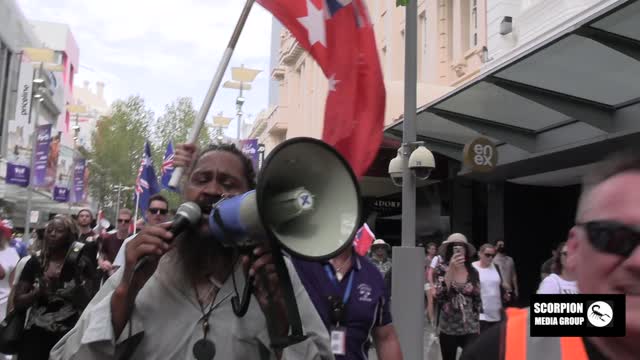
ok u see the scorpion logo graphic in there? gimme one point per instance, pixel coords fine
(600, 314)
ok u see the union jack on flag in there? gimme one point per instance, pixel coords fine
(146, 182)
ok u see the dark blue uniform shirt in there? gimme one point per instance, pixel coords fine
(366, 308)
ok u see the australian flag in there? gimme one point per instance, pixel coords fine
(167, 167)
(147, 182)
(339, 36)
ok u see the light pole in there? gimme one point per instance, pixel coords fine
(38, 82)
(220, 123)
(408, 260)
(77, 110)
(242, 79)
(119, 187)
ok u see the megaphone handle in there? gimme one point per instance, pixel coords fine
(293, 314)
(240, 305)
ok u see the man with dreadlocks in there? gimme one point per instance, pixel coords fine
(55, 285)
(181, 300)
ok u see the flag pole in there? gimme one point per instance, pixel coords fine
(135, 216)
(213, 88)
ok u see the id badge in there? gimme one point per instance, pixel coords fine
(339, 341)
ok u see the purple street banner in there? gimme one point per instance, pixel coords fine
(52, 161)
(250, 149)
(79, 180)
(43, 142)
(60, 194)
(17, 174)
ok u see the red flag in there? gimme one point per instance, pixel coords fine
(339, 35)
(363, 240)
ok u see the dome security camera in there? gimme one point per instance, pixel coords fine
(395, 169)
(421, 162)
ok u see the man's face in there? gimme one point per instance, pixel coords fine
(380, 250)
(157, 212)
(599, 272)
(500, 246)
(123, 222)
(84, 219)
(216, 173)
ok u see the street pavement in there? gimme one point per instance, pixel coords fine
(431, 346)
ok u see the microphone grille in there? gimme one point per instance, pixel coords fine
(191, 211)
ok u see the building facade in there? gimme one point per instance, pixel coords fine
(90, 105)
(549, 84)
(38, 62)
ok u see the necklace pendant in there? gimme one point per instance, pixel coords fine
(339, 276)
(204, 349)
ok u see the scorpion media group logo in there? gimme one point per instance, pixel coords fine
(600, 314)
(577, 315)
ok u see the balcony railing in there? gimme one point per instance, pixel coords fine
(290, 49)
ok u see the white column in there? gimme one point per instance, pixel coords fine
(456, 39)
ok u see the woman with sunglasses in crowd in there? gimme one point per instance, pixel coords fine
(492, 288)
(55, 286)
(561, 281)
(458, 295)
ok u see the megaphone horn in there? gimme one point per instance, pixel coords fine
(307, 199)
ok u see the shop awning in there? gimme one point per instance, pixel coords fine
(563, 101)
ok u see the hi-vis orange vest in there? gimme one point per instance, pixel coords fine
(520, 346)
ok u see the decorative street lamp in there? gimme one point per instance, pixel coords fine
(242, 79)
(220, 123)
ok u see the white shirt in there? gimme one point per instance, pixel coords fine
(489, 292)
(121, 256)
(554, 284)
(435, 261)
(8, 259)
(167, 311)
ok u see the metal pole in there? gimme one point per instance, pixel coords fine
(408, 260)
(118, 204)
(239, 113)
(213, 89)
(135, 216)
(34, 140)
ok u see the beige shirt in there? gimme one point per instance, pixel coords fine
(169, 314)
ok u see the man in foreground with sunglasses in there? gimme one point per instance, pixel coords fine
(603, 253)
(157, 213)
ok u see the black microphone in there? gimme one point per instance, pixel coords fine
(188, 214)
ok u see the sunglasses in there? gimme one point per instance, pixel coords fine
(612, 237)
(489, 255)
(156, 211)
(126, 221)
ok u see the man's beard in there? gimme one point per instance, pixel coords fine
(198, 251)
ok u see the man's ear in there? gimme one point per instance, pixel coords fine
(573, 247)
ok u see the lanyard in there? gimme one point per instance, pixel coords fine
(332, 277)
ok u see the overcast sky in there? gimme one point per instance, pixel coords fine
(162, 49)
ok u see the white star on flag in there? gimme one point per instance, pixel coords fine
(314, 23)
(333, 82)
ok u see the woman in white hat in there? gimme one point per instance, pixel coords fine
(380, 256)
(458, 295)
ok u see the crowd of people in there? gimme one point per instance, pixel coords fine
(79, 296)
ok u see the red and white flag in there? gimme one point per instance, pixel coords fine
(363, 240)
(339, 35)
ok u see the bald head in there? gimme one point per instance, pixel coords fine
(614, 166)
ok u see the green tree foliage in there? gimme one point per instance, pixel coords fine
(118, 144)
(402, 2)
(175, 125)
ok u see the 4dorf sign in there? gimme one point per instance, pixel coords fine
(481, 155)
